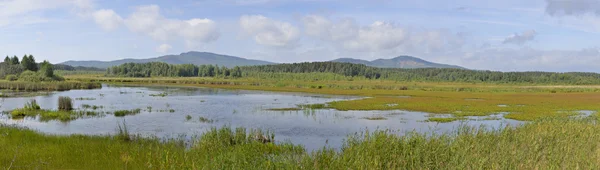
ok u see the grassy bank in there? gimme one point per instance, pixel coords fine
(547, 144)
(521, 101)
(47, 86)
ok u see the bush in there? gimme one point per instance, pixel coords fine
(65, 103)
(32, 105)
(12, 77)
(30, 76)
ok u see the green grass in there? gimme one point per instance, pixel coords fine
(543, 144)
(122, 113)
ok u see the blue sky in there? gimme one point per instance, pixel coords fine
(508, 35)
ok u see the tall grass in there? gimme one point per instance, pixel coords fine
(47, 86)
(65, 103)
(543, 144)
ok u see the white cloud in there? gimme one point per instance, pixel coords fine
(149, 21)
(23, 12)
(107, 19)
(379, 37)
(163, 48)
(269, 32)
(520, 39)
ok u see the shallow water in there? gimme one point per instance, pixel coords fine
(236, 108)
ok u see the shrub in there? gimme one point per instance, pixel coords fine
(65, 103)
(32, 105)
(12, 77)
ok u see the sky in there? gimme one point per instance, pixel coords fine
(500, 35)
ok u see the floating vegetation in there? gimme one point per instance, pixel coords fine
(375, 118)
(93, 107)
(205, 120)
(121, 113)
(85, 98)
(444, 119)
(171, 110)
(32, 109)
(285, 109)
(188, 117)
(313, 106)
(163, 94)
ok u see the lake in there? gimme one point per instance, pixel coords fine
(166, 116)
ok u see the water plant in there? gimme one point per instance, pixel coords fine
(65, 103)
(121, 113)
(205, 120)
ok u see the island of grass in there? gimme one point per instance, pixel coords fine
(65, 112)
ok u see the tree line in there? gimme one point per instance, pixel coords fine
(160, 69)
(27, 69)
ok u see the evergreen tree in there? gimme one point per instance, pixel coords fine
(32, 65)
(25, 63)
(15, 60)
(7, 60)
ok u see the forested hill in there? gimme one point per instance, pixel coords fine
(397, 62)
(192, 57)
(157, 69)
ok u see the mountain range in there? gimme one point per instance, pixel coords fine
(199, 58)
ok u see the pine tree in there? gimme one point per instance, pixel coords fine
(15, 60)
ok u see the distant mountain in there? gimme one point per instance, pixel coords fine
(192, 57)
(398, 62)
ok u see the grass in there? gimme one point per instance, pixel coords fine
(284, 109)
(543, 144)
(205, 120)
(122, 113)
(375, 118)
(85, 98)
(93, 107)
(65, 103)
(163, 94)
(444, 119)
(48, 86)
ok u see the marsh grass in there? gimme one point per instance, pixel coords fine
(93, 107)
(542, 144)
(85, 98)
(122, 113)
(163, 94)
(65, 103)
(47, 86)
(444, 119)
(284, 109)
(375, 118)
(33, 110)
(205, 120)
